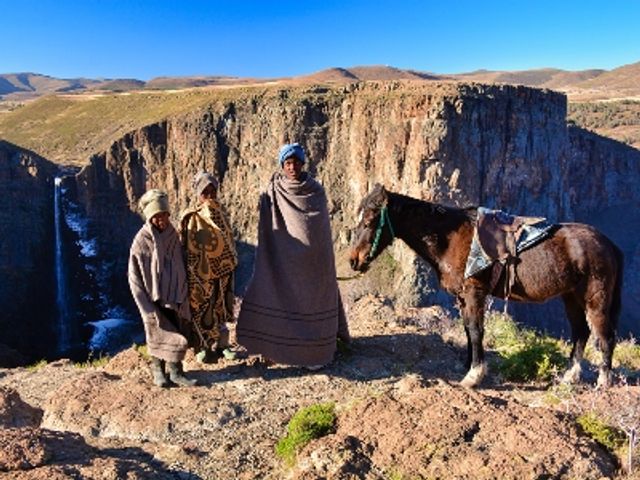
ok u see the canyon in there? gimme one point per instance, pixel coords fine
(499, 146)
(400, 410)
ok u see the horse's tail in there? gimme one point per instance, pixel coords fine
(616, 301)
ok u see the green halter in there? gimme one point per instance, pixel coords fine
(384, 220)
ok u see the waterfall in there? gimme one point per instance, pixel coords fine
(83, 298)
(62, 320)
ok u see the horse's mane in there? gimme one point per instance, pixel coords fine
(409, 203)
(448, 217)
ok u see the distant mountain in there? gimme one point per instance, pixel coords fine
(623, 78)
(24, 86)
(35, 84)
(119, 85)
(30, 85)
(582, 84)
(365, 73)
(542, 78)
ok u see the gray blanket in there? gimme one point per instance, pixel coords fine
(292, 311)
(158, 284)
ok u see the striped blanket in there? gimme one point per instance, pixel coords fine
(292, 312)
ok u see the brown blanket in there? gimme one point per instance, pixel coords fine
(292, 310)
(159, 287)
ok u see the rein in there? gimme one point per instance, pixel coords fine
(352, 277)
(384, 220)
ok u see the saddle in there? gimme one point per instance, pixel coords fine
(498, 239)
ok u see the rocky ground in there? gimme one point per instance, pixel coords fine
(401, 414)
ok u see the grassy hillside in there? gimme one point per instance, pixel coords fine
(69, 128)
(625, 79)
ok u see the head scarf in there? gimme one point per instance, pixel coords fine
(202, 180)
(291, 150)
(152, 202)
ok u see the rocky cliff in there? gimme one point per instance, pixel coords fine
(499, 146)
(26, 250)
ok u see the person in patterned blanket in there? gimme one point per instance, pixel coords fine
(211, 259)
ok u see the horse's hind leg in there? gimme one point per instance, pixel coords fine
(603, 327)
(579, 336)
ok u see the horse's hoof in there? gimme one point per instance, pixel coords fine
(474, 376)
(605, 380)
(572, 375)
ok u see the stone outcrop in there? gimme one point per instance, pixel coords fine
(499, 146)
(14, 412)
(26, 250)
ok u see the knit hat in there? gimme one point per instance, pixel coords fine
(202, 181)
(152, 202)
(291, 150)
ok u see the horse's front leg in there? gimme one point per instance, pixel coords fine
(472, 303)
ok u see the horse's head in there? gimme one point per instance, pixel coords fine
(374, 231)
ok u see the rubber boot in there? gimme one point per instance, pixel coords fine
(157, 371)
(176, 375)
(207, 356)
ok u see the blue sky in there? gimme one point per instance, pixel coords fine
(149, 38)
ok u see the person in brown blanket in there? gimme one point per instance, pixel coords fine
(159, 287)
(292, 312)
(210, 260)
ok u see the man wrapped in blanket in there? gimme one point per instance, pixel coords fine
(292, 313)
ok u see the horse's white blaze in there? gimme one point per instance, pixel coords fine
(474, 376)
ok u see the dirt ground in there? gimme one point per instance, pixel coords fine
(401, 414)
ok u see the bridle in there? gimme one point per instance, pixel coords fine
(384, 220)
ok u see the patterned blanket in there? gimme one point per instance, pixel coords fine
(210, 259)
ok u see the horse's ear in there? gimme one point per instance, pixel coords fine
(378, 195)
(379, 189)
(383, 192)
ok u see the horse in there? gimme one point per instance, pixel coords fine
(575, 262)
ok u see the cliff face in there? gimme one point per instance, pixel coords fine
(499, 146)
(27, 286)
(602, 179)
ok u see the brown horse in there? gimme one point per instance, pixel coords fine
(575, 262)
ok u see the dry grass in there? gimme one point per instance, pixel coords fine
(66, 129)
(617, 119)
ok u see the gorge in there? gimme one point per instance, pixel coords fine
(505, 147)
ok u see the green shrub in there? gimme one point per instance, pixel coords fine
(538, 359)
(37, 366)
(501, 331)
(100, 361)
(308, 423)
(627, 355)
(610, 437)
(142, 351)
(524, 354)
